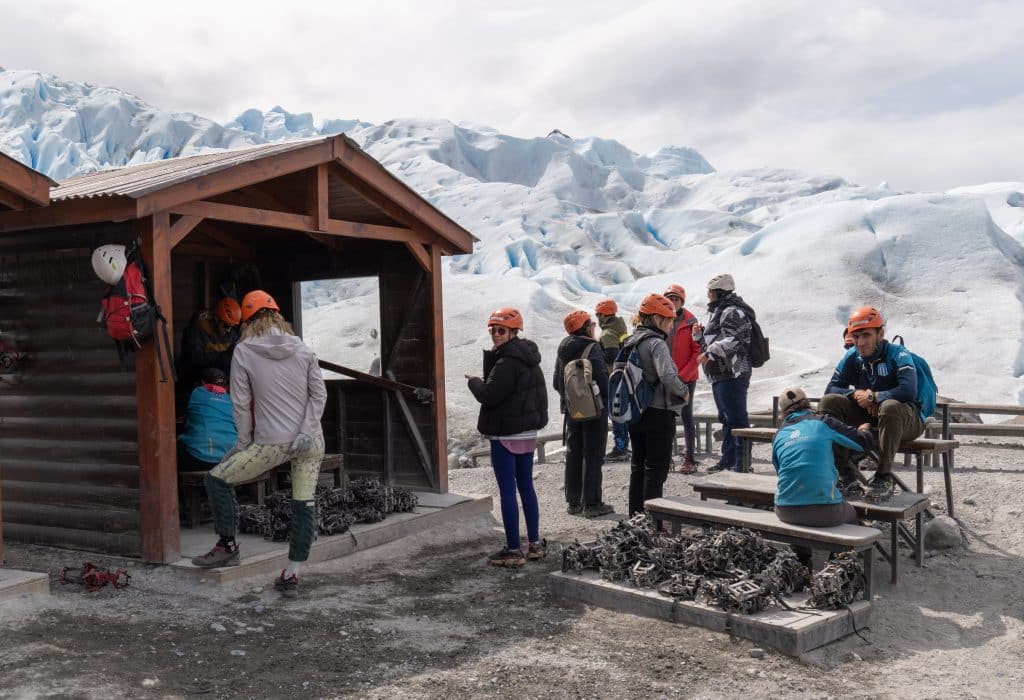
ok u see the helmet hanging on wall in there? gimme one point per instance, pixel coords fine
(108, 262)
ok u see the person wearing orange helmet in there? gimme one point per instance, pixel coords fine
(513, 407)
(725, 357)
(278, 396)
(585, 436)
(685, 351)
(613, 332)
(875, 382)
(655, 432)
(209, 341)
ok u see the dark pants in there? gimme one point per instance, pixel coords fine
(188, 463)
(689, 425)
(585, 444)
(731, 400)
(822, 515)
(653, 436)
(896, 423)
(620, 431)
(515, 473)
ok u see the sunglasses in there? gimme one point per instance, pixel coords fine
(497, 330)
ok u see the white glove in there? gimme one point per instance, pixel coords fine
(302, 443)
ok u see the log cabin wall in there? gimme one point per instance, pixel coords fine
(68, 432)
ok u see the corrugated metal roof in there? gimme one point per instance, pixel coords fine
(139, 180)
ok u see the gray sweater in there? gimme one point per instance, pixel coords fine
(277, 390)
(659, 370)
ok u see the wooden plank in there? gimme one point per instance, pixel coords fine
(117, 543)
(318, 197)
(67, 212)
(158, 483)
(417, 438)
(853, 536)
(355, 229)
(11, 200)
(792, 632)
(421, 255)
(235, 177)
(23, 181)
(1004, 429)
(1008, 409)
(182, 227)
(437, 371)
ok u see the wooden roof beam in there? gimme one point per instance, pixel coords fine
(11, 200)
(32, 186)
(68, 212)
(182, 227)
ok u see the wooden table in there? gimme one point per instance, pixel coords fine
(759, 489)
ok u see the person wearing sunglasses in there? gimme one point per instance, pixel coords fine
(513, 407)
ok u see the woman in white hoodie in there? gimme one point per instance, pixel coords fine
(278, 395)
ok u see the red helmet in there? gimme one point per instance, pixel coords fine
(608, 307)
(575, 320)
(257, 300)
(657, 305)
(506, 318)
(228, 311)
(865, 317)
(675, 290)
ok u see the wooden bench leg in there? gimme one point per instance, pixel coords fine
(707, 437)
(920, 473)
(193, 517)
(748, 454)
(869, 555)
(919, 542)
(261, 491)
(541, 457)
(947, 469)
(893, 549)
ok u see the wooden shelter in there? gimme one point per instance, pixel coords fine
(89, 448)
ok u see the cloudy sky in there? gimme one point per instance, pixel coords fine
(926, 94)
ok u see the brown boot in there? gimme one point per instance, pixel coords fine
(689, 465)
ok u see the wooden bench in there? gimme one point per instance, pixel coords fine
(542, 457)
(332, 464)
(840, 538)
(706, 422)
(759, 490)
(919, 448)
(949, 429)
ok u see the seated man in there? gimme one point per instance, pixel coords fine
(209, 424)
(209, 341)
(807, 491)
(876, 382)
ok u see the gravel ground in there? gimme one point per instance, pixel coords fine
(426, 618)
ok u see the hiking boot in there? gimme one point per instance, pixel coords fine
(574, 508)
(597, 510)
(617, 455)
(717, 467)
(689, 466)
(852, 490)
(880, 487)
(218, 556)
(287, 587)
(537, 550)
(507, 557)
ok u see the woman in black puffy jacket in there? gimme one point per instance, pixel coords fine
(513, 407)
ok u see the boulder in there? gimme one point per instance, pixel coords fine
(942, 533)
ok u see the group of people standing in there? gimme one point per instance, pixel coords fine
(671, 346)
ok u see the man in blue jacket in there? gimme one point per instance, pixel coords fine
(875, 382)
(807, 492)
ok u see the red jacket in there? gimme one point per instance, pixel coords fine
(684, 348)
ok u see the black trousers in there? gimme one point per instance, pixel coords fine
(821, 515)
(585, 444)
(652, 437)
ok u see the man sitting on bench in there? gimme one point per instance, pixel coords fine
(875, 382)
(807, 491)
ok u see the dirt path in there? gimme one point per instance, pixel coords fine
(424, 618)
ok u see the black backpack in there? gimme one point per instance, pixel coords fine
(759, 349)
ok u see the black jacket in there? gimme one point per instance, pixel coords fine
(513, 397)
(571, 348)
(203, 347)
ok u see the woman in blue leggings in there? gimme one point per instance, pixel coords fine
(513, 407)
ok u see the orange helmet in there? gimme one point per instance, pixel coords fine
(506, 318)
(657, 305)
(228, 311)
(865, 317)
(257, 300)
(575, 320)
(608, 307)
(675, 290)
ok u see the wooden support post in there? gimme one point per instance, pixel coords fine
(158, 470)
(318, 197)
(440, 409)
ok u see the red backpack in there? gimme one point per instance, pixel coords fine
(130, 314)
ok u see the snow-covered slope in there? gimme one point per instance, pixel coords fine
(564, 222)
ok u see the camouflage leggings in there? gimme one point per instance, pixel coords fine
(256, 460)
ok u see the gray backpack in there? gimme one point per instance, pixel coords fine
(582, 395)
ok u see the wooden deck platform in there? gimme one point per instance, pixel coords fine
(791, 632)
(15, 584)
(260, 557)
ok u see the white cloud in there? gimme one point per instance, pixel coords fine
(924, 94)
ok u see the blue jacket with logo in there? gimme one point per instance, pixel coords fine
(210, 425)
(802, 456)
(889, 372)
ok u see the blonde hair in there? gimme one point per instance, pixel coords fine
(635, 321)
(263, 322)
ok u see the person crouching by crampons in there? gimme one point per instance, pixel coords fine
(278, 395)
(585, 414)
(513, 407)
(808, 491)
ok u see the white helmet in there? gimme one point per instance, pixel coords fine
(108, 262)
(723, 282)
